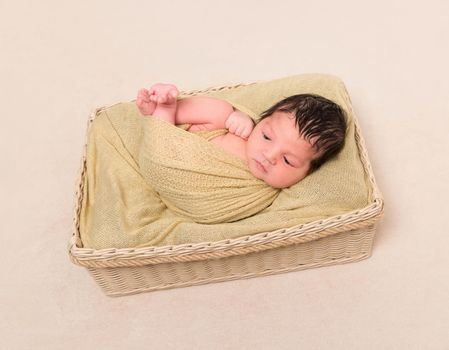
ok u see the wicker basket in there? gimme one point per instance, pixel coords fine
(335, 240)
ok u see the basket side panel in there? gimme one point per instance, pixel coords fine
(340, 248)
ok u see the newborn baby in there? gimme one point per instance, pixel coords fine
(290, 140)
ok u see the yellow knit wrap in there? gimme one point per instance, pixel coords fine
(196, 179)
(134, 196)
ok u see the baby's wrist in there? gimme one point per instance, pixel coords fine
(237, 112)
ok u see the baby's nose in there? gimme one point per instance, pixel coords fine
(271, 157)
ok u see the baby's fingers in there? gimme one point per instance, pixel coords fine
(228, 123)
(240, 130)
(172, 96)
(232, 128)
(245, 133)
(142, 94)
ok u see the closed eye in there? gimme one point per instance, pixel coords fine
(265, 137)
(287, 162)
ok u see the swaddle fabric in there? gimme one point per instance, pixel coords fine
(123, 205)
(197, 180)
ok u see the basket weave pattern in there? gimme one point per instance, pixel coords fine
(337, 239)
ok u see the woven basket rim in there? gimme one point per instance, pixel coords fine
(355, 219)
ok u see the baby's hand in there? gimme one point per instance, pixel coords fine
(146, 107)
(147, 100)
(163, 93)
(239, 124)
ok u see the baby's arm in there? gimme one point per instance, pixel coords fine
(213, 114)
(161, 101)
(207, 111)
(201, 111)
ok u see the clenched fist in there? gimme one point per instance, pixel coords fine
(239, 124)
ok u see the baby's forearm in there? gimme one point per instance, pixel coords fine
(203, 110)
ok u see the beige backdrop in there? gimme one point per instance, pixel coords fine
(59, 60)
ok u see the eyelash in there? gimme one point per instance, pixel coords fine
(285, 159)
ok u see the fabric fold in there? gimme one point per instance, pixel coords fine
(196, 179)
(132, 195)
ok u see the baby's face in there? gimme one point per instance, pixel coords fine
(276, 153)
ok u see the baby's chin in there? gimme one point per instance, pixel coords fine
(269, 181)
(263, 176)
(257, 175)
(274, 185)
(255, 171)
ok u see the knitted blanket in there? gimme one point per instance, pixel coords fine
(134, 196)
(196, 179)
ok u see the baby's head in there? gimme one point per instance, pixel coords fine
(295, 137)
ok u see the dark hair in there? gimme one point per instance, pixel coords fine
(319, 120)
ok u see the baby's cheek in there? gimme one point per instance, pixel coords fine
(290, 178)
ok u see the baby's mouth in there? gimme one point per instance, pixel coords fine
(260, 166)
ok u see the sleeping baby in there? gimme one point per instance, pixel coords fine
(291, 139)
